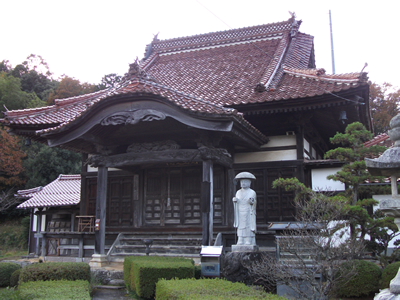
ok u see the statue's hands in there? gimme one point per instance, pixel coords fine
(234, 199)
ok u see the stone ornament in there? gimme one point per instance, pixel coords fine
(133, 117)
(245, 204)
(388, 164)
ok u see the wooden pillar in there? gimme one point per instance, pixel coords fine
(44, 241)
(83, 203)
(300, 153)
(229, 211)
(207, 202)
(80, 251)
(101, 202)
(38, 229)
(73, 222)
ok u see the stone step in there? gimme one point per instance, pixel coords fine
(161, 242)
(182, 250)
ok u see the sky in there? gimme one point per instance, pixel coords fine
(88, 39)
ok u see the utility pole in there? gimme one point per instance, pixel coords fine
(332, 54)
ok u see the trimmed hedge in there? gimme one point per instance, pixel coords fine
(12, 294)
(210, 289)
(389, 273)
(58, 289)
(145, 274)
(6, 270)
(365, 282)
(129, 282)
(15, 278)
(55, 271)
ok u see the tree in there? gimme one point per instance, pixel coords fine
(11, 169)
(5, 66)
(70, 87)
(312, 251)
(44, 164)
(35, 76)
(7, 200)
(354, 173)
(12, 96)
(109, 81)
(384, 101)
(380, 239)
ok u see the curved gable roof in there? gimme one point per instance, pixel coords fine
(65, 190)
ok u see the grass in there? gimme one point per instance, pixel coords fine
(13, 238)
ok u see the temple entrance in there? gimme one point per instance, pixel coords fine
(172, 196)
(120, 195)
(120, 190)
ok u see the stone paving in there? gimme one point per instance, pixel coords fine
(106, 293)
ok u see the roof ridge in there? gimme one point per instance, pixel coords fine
(220, 37)
(275, 63)
(320, 74)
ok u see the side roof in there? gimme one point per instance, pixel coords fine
(63, 191)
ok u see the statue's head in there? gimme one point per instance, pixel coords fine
(245, 179)
(245, 183)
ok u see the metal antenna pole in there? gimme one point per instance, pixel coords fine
(332, 54)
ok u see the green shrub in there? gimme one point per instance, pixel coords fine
(145, 274)
(365, 282)
(197, 272)
(6, 270)
(389, 273)
(55, 271)
(15, 277)
(129, 282)
(58, 289)
(13, 294)
(210, 289)
(12, 235)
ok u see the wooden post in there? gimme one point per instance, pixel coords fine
(38, 229)
(300, 153)
(73, 222)
(101, 202)
(229, 211)
(44, 241)
(80, 252)
(207, 202)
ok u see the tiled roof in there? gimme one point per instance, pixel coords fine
(382, 139)
(65, 190)
(222, 37)
(204, 74)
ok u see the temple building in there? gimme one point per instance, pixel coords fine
(162, 147)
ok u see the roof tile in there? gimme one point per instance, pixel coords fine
(65, 190)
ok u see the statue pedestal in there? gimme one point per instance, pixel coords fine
(98, 261)
(386, 294)
(244, 248)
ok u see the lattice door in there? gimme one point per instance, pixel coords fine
(120, 198)
(52, 247)
(191, 194)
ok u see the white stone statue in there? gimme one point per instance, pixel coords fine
(245, 204)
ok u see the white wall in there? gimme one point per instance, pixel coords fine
(252, 157)
(275, 155)
(91, 169)
(320, 183)
(280, 141)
